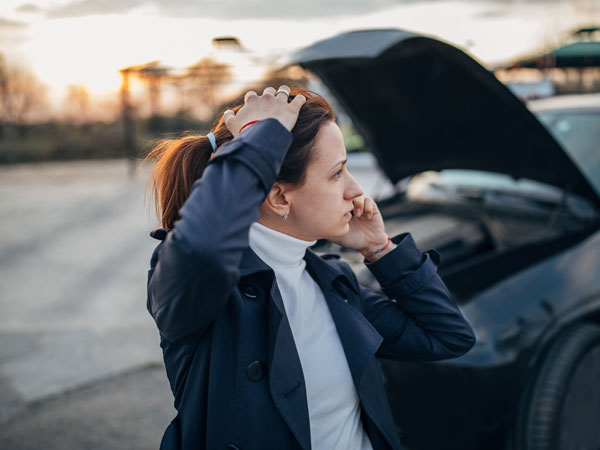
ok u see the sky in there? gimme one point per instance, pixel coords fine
(87, 41)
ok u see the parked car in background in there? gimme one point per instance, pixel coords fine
(510, 197)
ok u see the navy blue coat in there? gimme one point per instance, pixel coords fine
(228, 348)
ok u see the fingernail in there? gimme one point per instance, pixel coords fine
(358, 211)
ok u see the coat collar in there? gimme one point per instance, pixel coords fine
(160, 233)
(251, 263)
(324, 273)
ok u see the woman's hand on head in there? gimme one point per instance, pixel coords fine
(367, 231)
(271, 104)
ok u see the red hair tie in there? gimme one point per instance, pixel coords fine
(249, 123)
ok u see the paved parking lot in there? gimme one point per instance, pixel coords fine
(127, 411)
(73, 260)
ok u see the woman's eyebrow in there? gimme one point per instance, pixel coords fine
(338, 163)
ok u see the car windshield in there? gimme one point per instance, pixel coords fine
(579, 134)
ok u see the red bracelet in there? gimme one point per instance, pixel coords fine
(249, 123)
(369, 255)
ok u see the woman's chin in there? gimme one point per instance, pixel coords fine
(341, 231)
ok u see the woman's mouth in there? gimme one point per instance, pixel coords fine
(348, 215)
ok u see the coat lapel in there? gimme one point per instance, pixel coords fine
(286, 380)
(359, 338)
(360, 341)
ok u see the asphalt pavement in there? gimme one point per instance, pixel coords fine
(80, 364)
(126, 411)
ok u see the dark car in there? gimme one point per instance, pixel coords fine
(512, 203)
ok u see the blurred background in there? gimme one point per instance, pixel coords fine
(87, 87)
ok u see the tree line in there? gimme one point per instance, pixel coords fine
(154, 101)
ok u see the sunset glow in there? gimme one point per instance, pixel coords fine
(90, 49)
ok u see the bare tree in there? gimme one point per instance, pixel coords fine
(23, 99)
(23, 95)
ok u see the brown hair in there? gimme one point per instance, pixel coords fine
(180, 162)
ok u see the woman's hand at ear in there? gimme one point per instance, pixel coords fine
(367, 232)
(271, 104)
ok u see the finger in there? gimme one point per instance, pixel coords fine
(368, 207)
(375, 206)
(283, 92)
(250, 95)
(228, 115)
(358, 206)
(269, 91)
(298, 101)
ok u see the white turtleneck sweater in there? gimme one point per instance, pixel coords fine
(333, 404)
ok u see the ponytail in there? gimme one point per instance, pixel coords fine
(179, 163)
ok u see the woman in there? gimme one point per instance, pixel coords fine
(266, 344)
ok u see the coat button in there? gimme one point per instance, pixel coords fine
(256, 371)
(249, 291)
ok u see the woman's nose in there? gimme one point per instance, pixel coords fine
(353, 189)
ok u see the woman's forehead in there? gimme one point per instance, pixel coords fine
(329, 145)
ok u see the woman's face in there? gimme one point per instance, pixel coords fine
(320, 207)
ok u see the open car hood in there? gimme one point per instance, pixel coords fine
(422, 104)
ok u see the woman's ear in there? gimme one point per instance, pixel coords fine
(277, 201)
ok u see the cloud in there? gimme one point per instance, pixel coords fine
(272, 9)
(252, 9)
(226, 9)
(28, 8)
(79, 8)
(12, 24)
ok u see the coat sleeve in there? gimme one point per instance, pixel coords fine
(195, 268)
(419, 319)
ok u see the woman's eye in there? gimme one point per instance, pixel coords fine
(338, 173)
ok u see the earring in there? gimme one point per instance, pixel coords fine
(285, 216)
